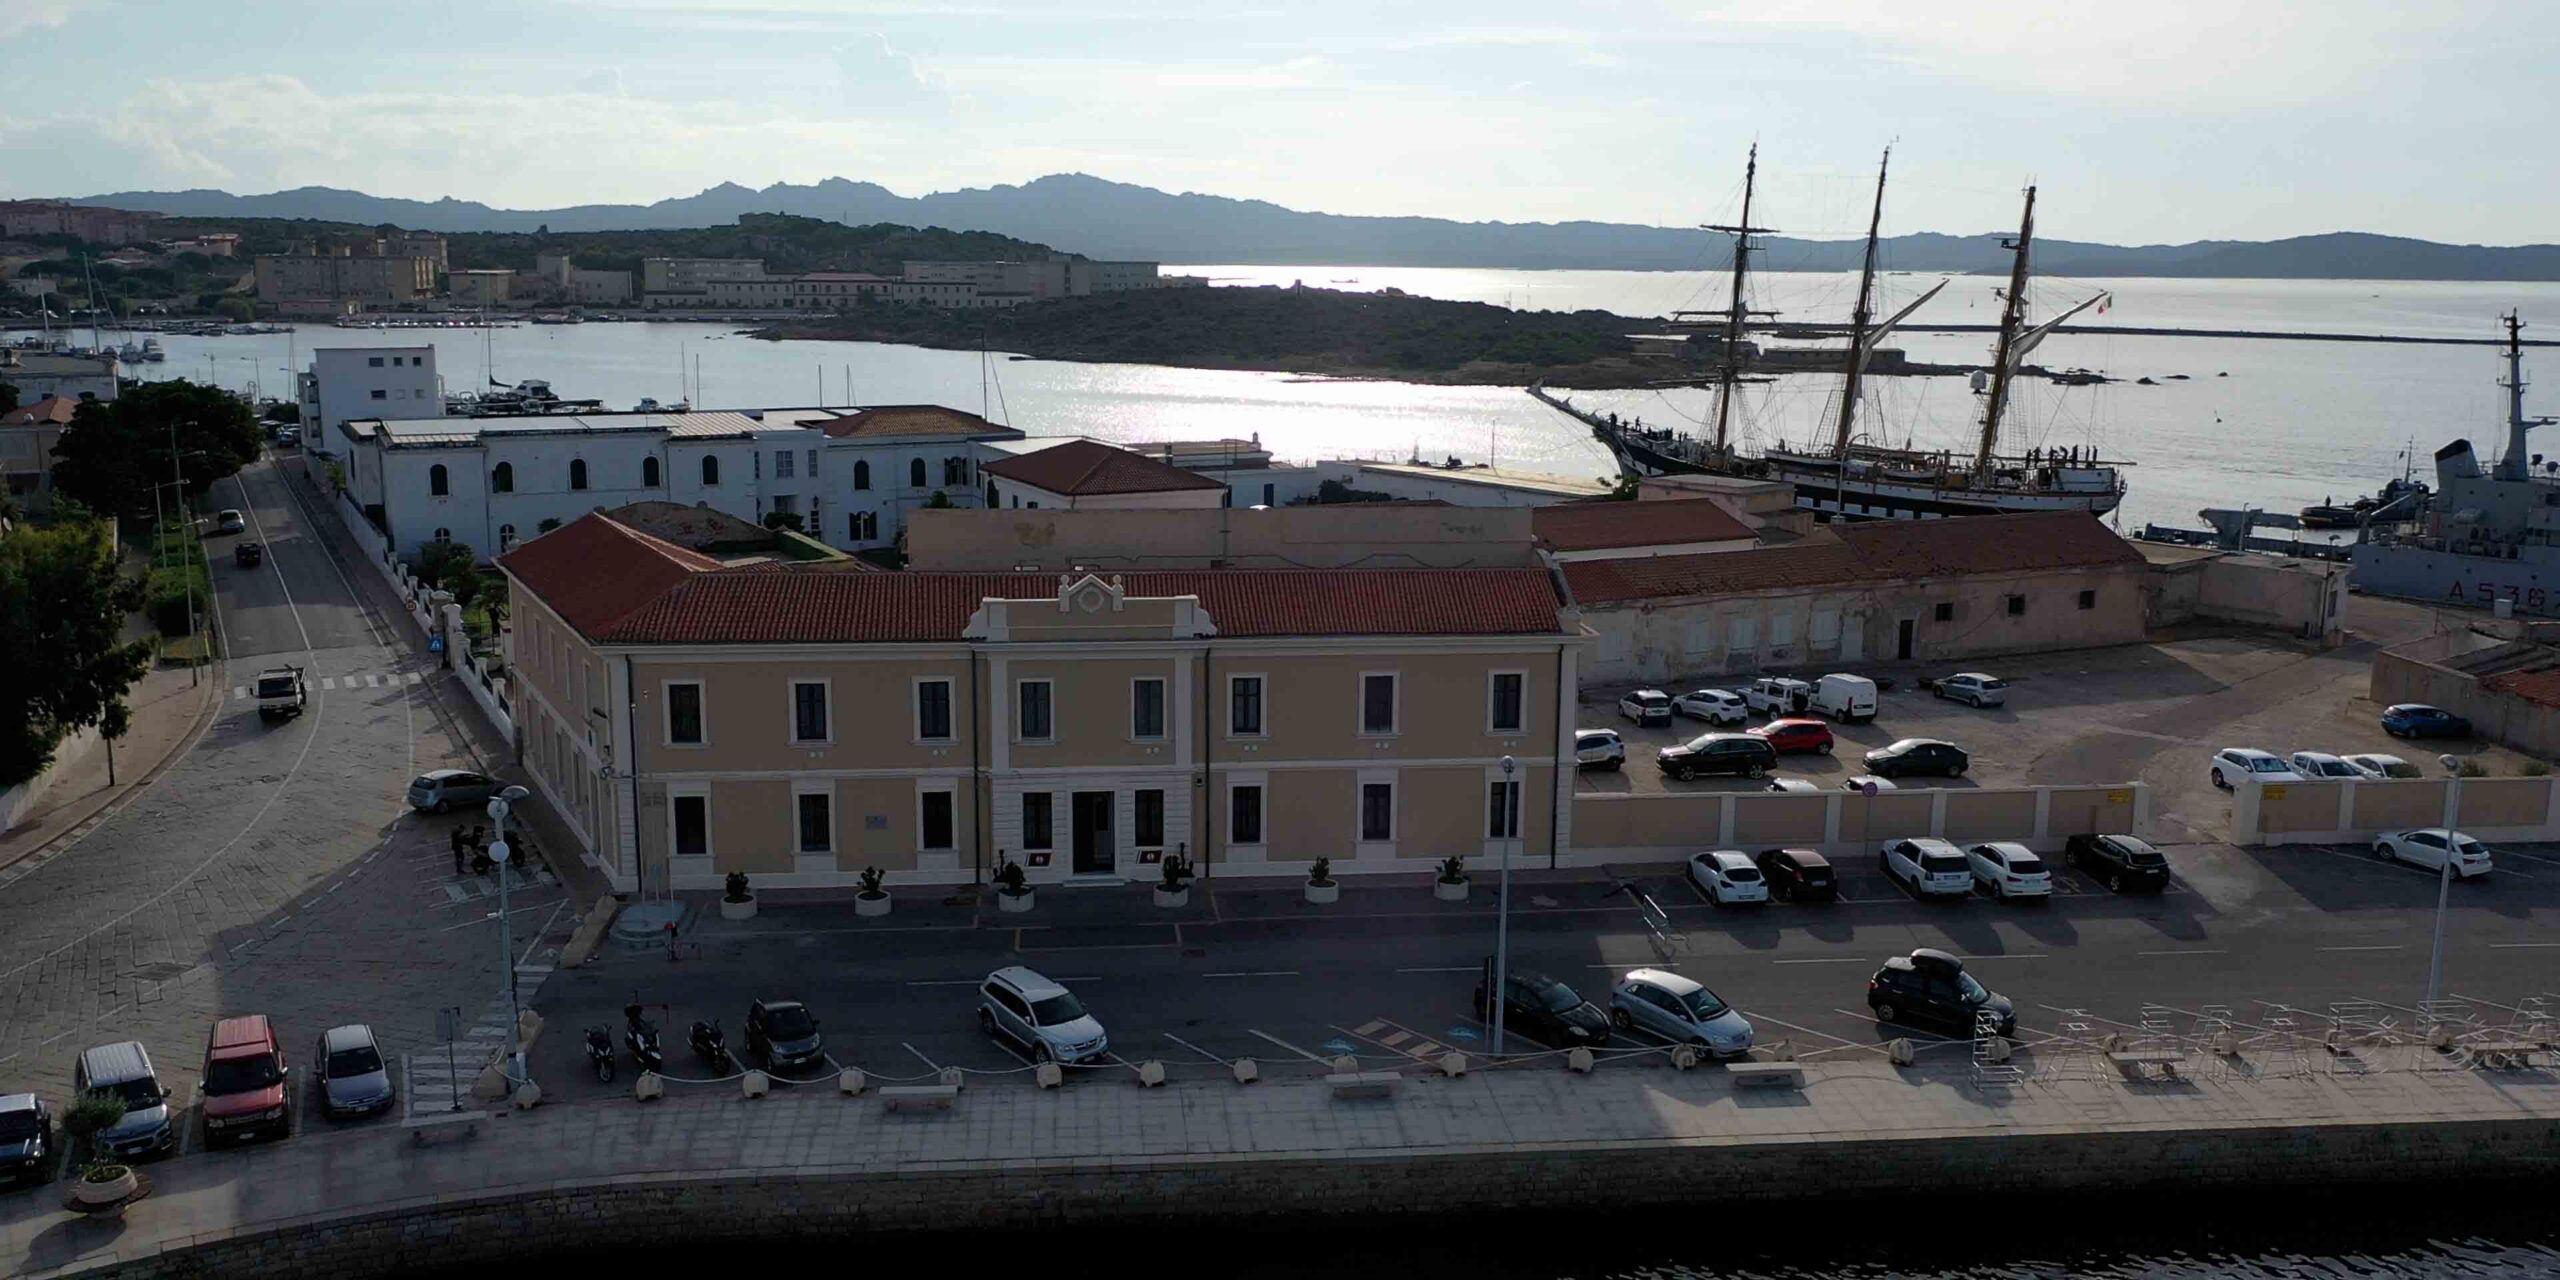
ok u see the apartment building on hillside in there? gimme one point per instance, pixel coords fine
(800, 723)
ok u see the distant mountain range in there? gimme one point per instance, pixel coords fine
(1103, 219)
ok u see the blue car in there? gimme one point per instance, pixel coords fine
(2418, 720)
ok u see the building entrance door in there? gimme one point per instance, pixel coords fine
(1902, 640)
(1091, 819)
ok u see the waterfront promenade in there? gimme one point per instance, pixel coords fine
(707, 1164)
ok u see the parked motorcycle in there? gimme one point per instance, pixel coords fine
(640, 1036)
(600, 1052)
(713, 1046)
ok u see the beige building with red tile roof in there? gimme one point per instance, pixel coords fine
(803, 722)
(1081, 474)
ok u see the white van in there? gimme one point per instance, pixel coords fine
(1846, 698)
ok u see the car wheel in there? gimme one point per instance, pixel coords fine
(1754, 771)
(1613, 765)
(1786, 893)
(2115, 884)
(1684, 772)
(2382, 850)
(442, 804)
(1618, 1018)
(1040, 1054)
(986, 1022)
(1885, 1012)
(1825, 748)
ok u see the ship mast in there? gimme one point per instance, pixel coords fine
(2517, 464)
(1736, 313)
(1860, 318)
(2012, 314)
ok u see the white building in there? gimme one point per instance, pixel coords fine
(368, 382)
(849, 475)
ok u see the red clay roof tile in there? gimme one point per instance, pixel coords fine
(2025, 542)
(1085, 467)
(1599, 526)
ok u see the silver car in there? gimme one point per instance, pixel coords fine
(148, 1127)
(438, 790)
(1680, 1010)
(1975, 689)
(353, 1078)
(1045, 1019)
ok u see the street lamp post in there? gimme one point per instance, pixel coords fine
(178, 495)
(2444, 891)
(1502, 914)
(502, 854)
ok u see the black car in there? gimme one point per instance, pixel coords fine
(1536, 1005)
(1930, 988)
(248, 555)
(26, 1139)
(1799, 875)
(783, 1035)
(2122, 863)
(1918, 755)
(1741, 753)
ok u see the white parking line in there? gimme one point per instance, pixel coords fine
(1455, 968)
(1193, 1047)
(2515, 946)
(929, 1063)
(945, 982)
(1255, 973)
(2389, 947)
(2025, 955)
(2196, 951)
(1265, 1035)
(1825, 960)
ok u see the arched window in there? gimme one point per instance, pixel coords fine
(435, 481)
(444, 535)
(577, 473)
(506, 535)
(915, 474)
(649, 472)
(862, 475)
(502, 478)
(710, 470)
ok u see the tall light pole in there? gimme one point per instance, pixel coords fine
(178, 495)
(2444, 891)
(500, 853)
(1502, 914)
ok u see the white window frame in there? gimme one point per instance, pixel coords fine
(1263, 681)
(1492, 681)
(1020, 704)
(915, 710)
(937, 786)
(1360, 840)
(815, 787)
(1261, 783)
(1360, 705)
(1022, 823)
(1164, 709)
(710, 838)
(667, 714)
(791, 711)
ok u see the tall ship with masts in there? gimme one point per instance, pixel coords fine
(1852, 476)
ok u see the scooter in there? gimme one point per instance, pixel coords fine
(640, 1036)
(600, 1052)
(713, 1046)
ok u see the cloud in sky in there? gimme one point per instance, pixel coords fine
(18, 16)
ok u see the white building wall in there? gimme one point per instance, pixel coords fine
(1013, 493)
(345, 382)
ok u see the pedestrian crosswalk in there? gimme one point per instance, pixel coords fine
(351, 680)
(466, 888)
(440, 1075)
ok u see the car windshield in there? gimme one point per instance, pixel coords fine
(1816, 874)
(1556, 997)
(2336, 769)
(359, 1061)
(2469, 846)
(2401, 769)
(144, 1092)
(240, 1075)
(2025, 866)
(424, 783)
(1744, 875)
(2139, 855)
(1941, 862)
(2266, 765)
(1703, 1004)
(1061, 1007)
(790, 1022)
(274, 686)
(1651, 699)
(18, 1126)
(1970, 991)
(1700, 743)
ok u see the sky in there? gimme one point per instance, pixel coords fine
(2154, 122)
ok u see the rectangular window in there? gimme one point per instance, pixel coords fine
(1035, 820)
(684, 714)
(1146, 708)
(1244, 706)
(2088, 599)
(809, 711)
(782, 464)
(1510, 701)
(2017, 606)
(373, 362)
(1149, 819)
(933, 825)
(1378, 702)
(1035, 722)
(933, 710)
(1244, 815)
(1502, 810)
(817, 822)
(692, 816)
(380, 394)
(1946, 612)
(1377, 811)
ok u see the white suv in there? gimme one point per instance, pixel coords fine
(1727, 876)
(1715, 706)
(1043, 1018)
(2008, 870)
(1598, 749)
(1932, 867)
(1777, 695)
(2231, 764)
(1646, 706)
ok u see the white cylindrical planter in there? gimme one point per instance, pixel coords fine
(1329, 891)
(738, 910)
(867, 905)
(115, 1190)
(1173, 897)
(1449, 890)
(1008, 900)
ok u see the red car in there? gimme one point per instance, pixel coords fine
(244, 1082)
(1795, 734)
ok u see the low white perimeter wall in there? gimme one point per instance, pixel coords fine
(2354, 812)
(19, 801)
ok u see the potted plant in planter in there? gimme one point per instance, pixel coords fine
(104, 1183)
(737, 903)
(1176, 889)
(1452, 884)
(1013, 889)
(873, 900)
(1321, 886)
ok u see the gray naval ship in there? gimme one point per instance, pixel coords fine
(2481, 537)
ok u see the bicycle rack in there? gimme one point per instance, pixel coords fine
(2284, 1022)
(2081, 1060)
(2353, 1023)
(2214, 1039)
(1991, 1068)
(1668, 943)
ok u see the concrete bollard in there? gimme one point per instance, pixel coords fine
(1150, 1074)
(1453, 1063)
(1580, 1060)
(1247, 1070)
(2225, 1045)
(1684, 1057)
(950, 1076)
(2440, 1036)
(1998, 1049)
(491, 1084)
(1901, 1052)
(648, 1088)
(850, 1082)
(1048, 1075)
(755, 1084)
(527, 1096)
(1346, 1065)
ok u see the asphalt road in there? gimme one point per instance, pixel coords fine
(1257, 973)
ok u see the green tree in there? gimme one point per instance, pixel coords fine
(63, 656)
(8, 396)
(454, 567)
(236, 309)
(114, 451)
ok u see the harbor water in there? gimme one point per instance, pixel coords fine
(2278, 424)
